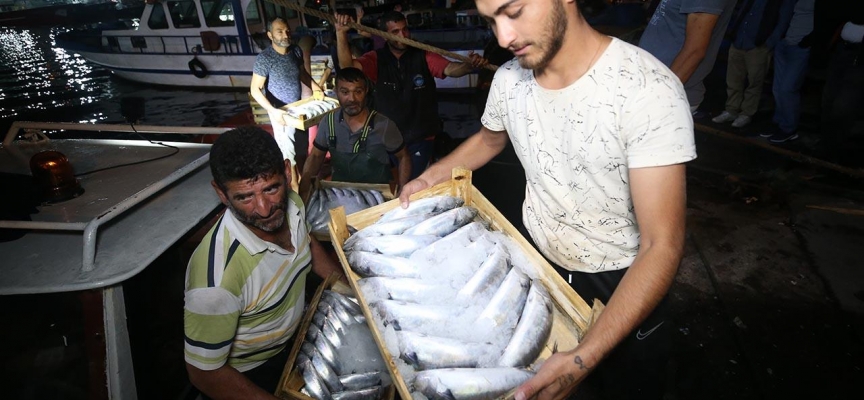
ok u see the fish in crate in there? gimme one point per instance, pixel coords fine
(458, 303)
(339, 358)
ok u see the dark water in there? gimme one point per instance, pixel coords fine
(40, 81)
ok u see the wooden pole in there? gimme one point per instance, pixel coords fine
(856, 173)
(363, 28)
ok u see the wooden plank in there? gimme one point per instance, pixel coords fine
(570, 316)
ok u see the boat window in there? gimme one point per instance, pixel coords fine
(157, 18)
(217, 12)
(184, 14)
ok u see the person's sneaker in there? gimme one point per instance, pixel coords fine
(782, 137)
(770, 132)
(725, 116)
(741, 121)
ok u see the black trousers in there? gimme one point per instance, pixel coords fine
(636, 368)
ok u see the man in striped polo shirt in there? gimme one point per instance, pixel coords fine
(245, 283)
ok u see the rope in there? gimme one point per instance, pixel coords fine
(386, 35)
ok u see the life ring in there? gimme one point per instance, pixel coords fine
(198, 69)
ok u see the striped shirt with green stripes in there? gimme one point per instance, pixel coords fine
(244, 296)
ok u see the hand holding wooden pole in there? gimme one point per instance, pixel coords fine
(332, 19)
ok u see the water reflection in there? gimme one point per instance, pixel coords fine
(39, 76)
(40, 81)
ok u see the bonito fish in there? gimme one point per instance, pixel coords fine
(532, 331)
(488, 278)
(394, 227)
(413, 317)
(445, 223)
(423, 206)
(403, 289)
(373, 264)
(433, 352)
(507, 303)
(394, 245)
(469, 383)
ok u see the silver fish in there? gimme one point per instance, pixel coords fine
(423, 206)
(488, 278)
(332, 334)
(394, 227)
(461, 237)
(328, 353)
(373, 264)
(469, 383)
(327, 375)
(432, 352)
(532, 331)
(301, 359)
(379, 197)
(507, 302)
(312, 333)
(350, 306)
(334, 310)
(307, 348)
(445, 223)
(360, 381)
(403, 289)
(413, 317)
(313, 384)
(370, 393)
(394, 245)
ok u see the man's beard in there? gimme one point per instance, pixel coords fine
(269, 226)
(282, 43)
(551, 41)
(353, 109)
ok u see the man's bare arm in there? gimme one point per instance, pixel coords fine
(457, 69)
(696, 41)
(323, 264)
(255, 89)
(659, 198)
(474, 153)
(404, 169)
(310, 170)
(226, 383)
(343, 49)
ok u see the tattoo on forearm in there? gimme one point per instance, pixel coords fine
(580, 363)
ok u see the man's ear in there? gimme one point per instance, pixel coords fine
(222, 197)
(288, 168)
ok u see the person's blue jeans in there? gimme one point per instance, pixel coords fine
(790, 68)
(421, 155)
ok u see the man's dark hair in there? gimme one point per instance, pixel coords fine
(244, 153)
(351, 74)
(391, 16)
(270, 23)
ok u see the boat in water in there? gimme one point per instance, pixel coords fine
(205, 43)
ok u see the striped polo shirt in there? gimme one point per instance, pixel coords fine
(244, 296)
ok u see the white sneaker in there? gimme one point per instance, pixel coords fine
(725, 116)
(741, 121)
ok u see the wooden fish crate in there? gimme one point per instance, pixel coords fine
(571, 316)
(292, 381)
(304, 121)
(385, 189)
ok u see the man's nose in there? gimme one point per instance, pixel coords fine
(505, 33)
(262, 206)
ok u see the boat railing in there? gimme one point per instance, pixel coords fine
(89, 226)
(205, 43)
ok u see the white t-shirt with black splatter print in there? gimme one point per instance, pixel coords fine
(577, 145)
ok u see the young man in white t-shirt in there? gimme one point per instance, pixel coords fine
(602, 129)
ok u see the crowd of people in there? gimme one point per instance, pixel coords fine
(603, 129)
